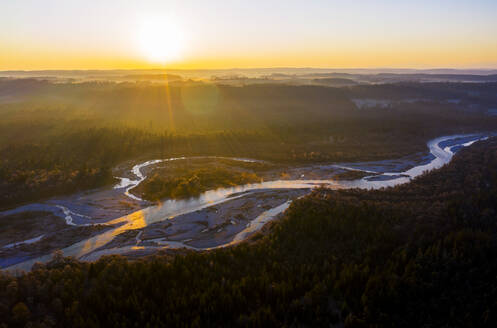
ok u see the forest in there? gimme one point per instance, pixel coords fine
(416, 255)
(59, 138)
(171, 163)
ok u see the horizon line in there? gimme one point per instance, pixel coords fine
(250, 68)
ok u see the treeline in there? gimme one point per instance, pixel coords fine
(70, 161)
(64, 163)
(197, 106)
(418, 255)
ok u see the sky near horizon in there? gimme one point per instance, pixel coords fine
(109, 34)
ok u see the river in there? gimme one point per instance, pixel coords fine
(441, 152)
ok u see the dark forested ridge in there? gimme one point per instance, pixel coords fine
(418, 255)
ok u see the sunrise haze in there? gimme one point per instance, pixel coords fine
(225, 34)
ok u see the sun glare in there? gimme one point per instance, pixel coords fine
(161, 40)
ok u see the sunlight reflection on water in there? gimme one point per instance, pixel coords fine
(171, 208)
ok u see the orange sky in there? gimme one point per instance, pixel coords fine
(56, 34)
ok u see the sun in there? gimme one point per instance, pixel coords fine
(161, 40)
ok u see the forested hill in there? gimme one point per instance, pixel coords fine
(419, 255)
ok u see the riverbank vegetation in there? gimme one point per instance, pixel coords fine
(420, 254)
(58, 138)
(193, 183)
(189, 177)
(352, 175)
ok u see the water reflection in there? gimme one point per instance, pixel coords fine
(173, 208)
(137, 171)
(441, 157)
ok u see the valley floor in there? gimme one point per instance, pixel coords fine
(118, 221)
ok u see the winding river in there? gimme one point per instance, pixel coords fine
(441, 152)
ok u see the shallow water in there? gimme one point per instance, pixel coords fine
(27, 241)
(137, 171)
(442, 150)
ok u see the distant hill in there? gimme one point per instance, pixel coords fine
(335, 82)
(167, 77)
(249, 72)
